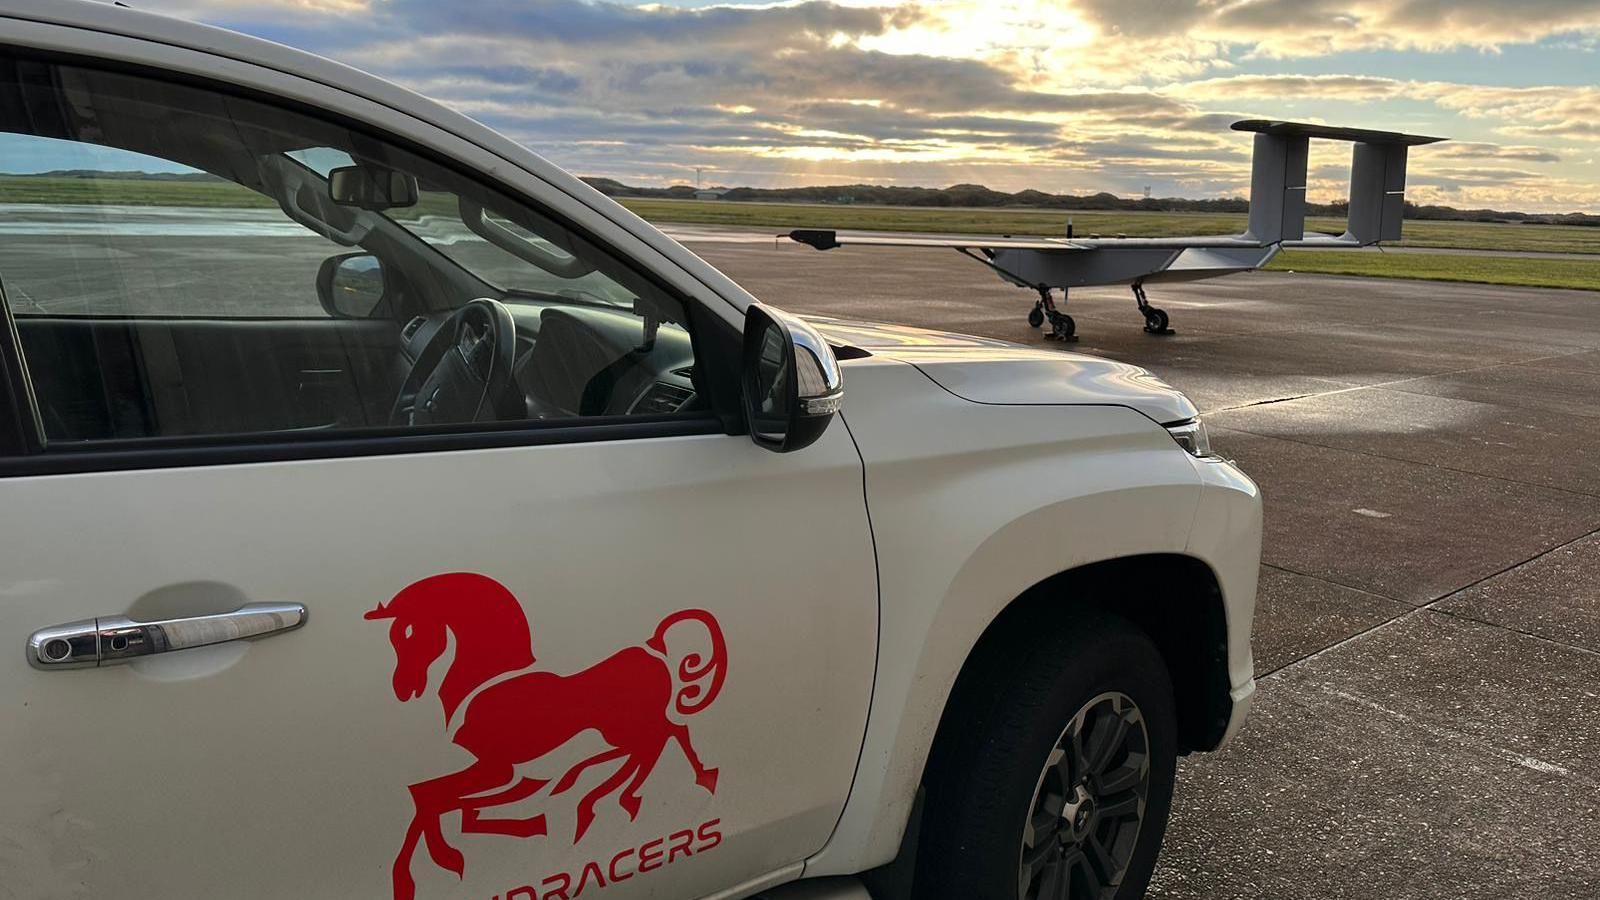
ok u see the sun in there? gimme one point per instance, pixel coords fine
(1007, 32)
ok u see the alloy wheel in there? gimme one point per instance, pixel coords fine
(1083, 823)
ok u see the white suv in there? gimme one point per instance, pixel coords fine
(388, 514)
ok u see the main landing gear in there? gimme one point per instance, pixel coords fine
(1062, 328)
(1155, 318)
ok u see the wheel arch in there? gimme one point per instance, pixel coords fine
(1173, 598)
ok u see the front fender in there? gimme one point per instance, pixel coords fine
(972, 504)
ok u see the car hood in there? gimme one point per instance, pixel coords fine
(999, 372)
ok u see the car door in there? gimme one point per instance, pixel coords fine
(514, 655)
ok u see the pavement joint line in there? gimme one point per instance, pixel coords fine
(1255, 403)
(1426, 607)
(1354, 324)
(1401, 459)
(1432, 282)
(1571, 413)
(1543, 639)
(1347, 638)
(1387, 384)
(1339, 584)
(1541, 554)
(1459, 738)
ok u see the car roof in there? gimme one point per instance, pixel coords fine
(117, 19)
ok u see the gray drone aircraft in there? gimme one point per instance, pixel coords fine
(1277, 220)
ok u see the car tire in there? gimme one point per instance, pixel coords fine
(991, 771)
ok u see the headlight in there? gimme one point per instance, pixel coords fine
(1191, 436)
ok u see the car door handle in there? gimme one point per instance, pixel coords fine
(108, 640)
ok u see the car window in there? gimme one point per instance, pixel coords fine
(95, 231)
(183, 262)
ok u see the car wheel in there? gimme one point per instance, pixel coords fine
(1053, 777)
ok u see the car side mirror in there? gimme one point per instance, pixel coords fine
(792, 383)
(352, 286)
(372, 187)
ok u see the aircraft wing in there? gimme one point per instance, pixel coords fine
(827, 239)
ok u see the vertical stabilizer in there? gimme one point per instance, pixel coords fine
(1278, 188)
(1377, 193)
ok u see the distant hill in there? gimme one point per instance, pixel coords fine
(973, 196)
(130, 175)
(978, 196)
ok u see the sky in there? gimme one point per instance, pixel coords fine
(1066, 96)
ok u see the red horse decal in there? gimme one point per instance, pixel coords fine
(514, 714)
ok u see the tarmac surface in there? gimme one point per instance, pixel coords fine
(1428, 629)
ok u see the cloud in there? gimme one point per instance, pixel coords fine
(1480, 150)
(1052, 94)
(1273, 87)
(609, 25)
(1534, 112)
(1317, 27)
(1575, 130)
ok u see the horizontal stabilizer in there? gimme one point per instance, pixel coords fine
(1330, 133)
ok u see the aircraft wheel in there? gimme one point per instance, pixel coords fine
(1062, 327)
(1155, 320)
(1036, 317)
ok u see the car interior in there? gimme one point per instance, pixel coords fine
(438, 301)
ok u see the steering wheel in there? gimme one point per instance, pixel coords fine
(464, 372)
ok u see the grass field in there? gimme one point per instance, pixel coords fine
(1450, 235)
(129, 192)
(1508, 270)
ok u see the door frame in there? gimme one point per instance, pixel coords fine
(16, 401)
(714, 324)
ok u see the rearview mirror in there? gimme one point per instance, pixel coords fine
(352, 286)
(372, 187)
(792, 383)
